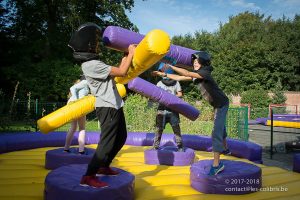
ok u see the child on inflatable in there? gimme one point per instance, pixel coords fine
(165, 115)
(85, 43)
(77, 91)
(201, 76)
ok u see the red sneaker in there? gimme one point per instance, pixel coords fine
(92, 181)
(107, 171)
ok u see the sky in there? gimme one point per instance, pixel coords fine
(180, 17)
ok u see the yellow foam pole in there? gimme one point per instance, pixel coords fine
(71, 112)
(154, 46)
(284, 124)
(121, 89)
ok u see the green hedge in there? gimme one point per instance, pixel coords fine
(140, 114)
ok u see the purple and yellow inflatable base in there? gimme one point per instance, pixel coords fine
(281, 120)
(22, 170)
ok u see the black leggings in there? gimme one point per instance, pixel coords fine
(112, 138)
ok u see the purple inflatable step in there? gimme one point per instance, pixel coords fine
(119, 39)
(287, 115)
(261, 121)
(157, 94)
(63, 183)
(236, 178)
(169, 155)
(58, 157)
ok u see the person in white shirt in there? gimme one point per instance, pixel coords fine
(79, 90)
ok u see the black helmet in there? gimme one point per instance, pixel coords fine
(86, 38)
(203, 58)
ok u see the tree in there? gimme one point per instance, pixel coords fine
(251, 51)
(238, 53)
(37, 32)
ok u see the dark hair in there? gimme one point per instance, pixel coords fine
(203, 58)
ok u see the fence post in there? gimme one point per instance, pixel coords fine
(271, 152)
(36, 114)
(246, 117)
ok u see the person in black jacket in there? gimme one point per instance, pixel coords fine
(201, 76)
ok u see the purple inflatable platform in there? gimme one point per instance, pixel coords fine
(57, 157)
(22, 141)
(169, 155)
(157, 94)
(63, 183)
(119, 39)
(237, 178)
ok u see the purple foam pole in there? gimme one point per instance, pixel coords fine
(119, 39)
(157, 94)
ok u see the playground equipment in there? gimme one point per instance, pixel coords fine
(66, 114)
(151, 48)
(157, 94)
(71, 111)
(119, 39)
(27, 181)
(149, 51)
(282, 120)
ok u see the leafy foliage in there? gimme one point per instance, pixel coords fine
(251, 51)
(259, 100)
(34, 37)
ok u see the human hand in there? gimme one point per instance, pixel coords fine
(166, 67)
(131, 48)
(157, 73)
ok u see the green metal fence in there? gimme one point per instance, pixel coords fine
(237, 123)
(22, 116)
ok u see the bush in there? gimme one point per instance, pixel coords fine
(139, 116)
(259, 101)
(278, 97)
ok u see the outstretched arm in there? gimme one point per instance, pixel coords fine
(122, 70)
(172, 76)
(184, 72)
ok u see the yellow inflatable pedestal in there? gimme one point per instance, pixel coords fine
(71, 112)
(150, 50)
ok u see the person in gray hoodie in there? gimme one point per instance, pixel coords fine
(85, 43)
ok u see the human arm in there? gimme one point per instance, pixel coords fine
(122, 70)
(184, 72)
(178, 89)
(172, 76)
(76, 87)
(179, 94)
